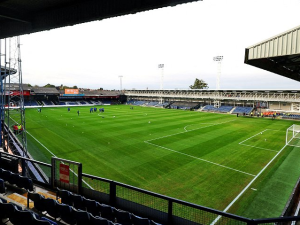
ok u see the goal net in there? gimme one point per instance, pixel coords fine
(293, 135)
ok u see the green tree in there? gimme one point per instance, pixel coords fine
(49, 86)
(199, 84)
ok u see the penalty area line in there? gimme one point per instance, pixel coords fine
(245, 189)
(204, 160)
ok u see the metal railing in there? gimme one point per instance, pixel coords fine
(141, 202)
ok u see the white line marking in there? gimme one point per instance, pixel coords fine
(241, 143)
(260, 148)
(196, 124)
(40, 143)
(55, 156)
(200, 159)
(251, 182)
(189, 130)
(253, 136)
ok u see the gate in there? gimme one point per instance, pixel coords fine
(66, 174)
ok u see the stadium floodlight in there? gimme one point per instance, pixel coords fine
(161, 67)
(120, 82)
(218, 59)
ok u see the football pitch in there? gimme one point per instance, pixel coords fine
(237, 164)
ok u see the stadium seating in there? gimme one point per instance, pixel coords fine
(184, 105)
(97, 220)
(92, 206)
(51, 207)
(242, 110)
(2, 186)
(136, 220)
(38, 201)
(47, 102)
(123, 217)
(152, 103)
(30, 103)
(98, 213)
(81, 217)
(77, 201)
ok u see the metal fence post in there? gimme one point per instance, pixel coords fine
(52, 179)
(112, 193)
(23, 167)
(170, 212)
(80, 179)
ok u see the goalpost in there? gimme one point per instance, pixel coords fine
(293, 136)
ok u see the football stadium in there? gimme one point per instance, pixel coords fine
(135, 157)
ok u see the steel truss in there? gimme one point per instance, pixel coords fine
(12, 99)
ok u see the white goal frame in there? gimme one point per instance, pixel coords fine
(293, 133)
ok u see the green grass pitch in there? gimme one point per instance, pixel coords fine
(203, 158)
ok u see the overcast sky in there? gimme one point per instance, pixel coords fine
(185, 38)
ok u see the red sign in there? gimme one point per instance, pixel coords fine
(64, 173)
(17, 93)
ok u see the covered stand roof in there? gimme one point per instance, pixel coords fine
(279, 54)
(19, 17)
(5, 71)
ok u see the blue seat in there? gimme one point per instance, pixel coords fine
(1, 173)
(97, 220)
(92, 206)
(7, 210)
(41, 222)
(77, 201)
(107, 212)
(136, 220)
(65, 196)
(6, 175)
(154, 223)
(2, 186)
(82, 217)
(66, 213)
(14, 178)
(123, 217)
(50, 221)
(37, 200)
(25, 182)
(51, 207)
(3, 200)
(22, 217)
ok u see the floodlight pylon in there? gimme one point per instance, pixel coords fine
(161, 67)
(218, 59)
(12, 95)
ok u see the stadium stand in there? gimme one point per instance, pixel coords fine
(221, 109)
(163, 105)
(47, 102)
(242, 110)
(152, 103)
(184, 105)
(30, 103)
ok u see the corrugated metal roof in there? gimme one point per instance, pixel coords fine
(279, 54)
(286, 43)
(19, 17)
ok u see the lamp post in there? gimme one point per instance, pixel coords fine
(120, 82)
(218, 59)
(161, 67)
